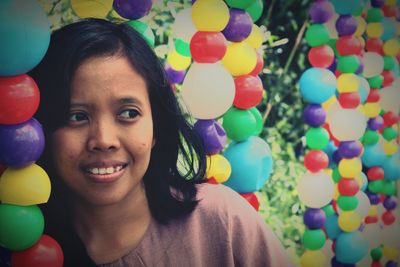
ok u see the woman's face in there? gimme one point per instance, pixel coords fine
(104, 150)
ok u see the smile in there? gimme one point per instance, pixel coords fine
(105, 170)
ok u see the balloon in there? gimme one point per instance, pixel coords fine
(390, 97)
(213, 135)
(240, 124)
(317, 35)
(345, 7)
(348, 83)
(375, 173)
(346, 25)
(347, 124)
(373, 64)
(391, 167)
(348, 45)
(208, 47)
(349, 221)
(252, 199)
(331, 27)
(239, 25)
(45, 253)
(363, 204)
(374, 30)
(241, 4)
(183, 27)
(255, 39)
(20, 226)
(348, 64)
(321, 11)
(374, 15)
(361, 26)
(177, 61)
(210, 15)
(248, 91)
(390, 148)
(364, 89)
(373, 155)
(317, 138)
(376, 123)
(348, 187)
(251, 163)
(174, 76)
(21, 144)
(374, 45)
(332, 227)
(313, 239)
(373, 233)
(350, 149)
(391, 253)
(25, 186)
(255, 10)
(218, 167)
(25, 31)
(350, 167)
(314, 115)
(314, 218)
(316, 160)
(91, 8)
(389, 28)
(240, 58)
(259, 65)
(347, 203)
(317, 85)
(208, 85)
(132, 9)
(375, 187)
(313, 258)
(143, 29)
(388, 63)
(315, 189)
(19, 99)
(321, 56)
(349, 100)
(390, 203)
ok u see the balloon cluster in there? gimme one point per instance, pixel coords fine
(343, 89)
(23, 184)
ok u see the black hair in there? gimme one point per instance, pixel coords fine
(175, 137)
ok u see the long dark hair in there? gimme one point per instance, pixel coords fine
(69, 47)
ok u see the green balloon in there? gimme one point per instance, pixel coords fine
(314, 239)
(259, 120)
(376, 253)
(20, 226)
(336, 175)
(348, 64)
(375, 186)
(374, 15)
(241, 4)
(317, 35)
(388, 188)
(182, 47)
(370, 137)
(375, 82)
(144, 30)
(239, 124)
(329, 210)
(255, 10)
(332, 44)
(389, 133)
(347, 203)
(317, 138)
(388, 63)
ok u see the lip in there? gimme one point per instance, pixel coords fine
(103, 178)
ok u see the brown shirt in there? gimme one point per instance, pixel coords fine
(223, 230)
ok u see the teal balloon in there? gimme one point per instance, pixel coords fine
(20, 226)
(25, 36)
(389, 29)
(332, 227)
(251, 164)
(391, 167)
(329, 150)
(373, 155)
(363, 91)
(317, 85)
(255, 10)
(351, 247)
(346, 7)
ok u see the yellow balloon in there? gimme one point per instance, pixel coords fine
(313, 258)
(390, 2)
(349, 221)
(391, 47)
(328, 103)
(91, 8)
(361, 26)
(373, 211)
(348, 83)
(25, 186)
(390, 253)
(336, 192)
(240, 58)
(255, 38)
(350, 167)
(390, 148)
(374, 30)
(218, 167)
(210, 15)
(371, 109)
(177, 61)
(359, 180)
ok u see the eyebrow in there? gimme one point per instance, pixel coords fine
(121, 101)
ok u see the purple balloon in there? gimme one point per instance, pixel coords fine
(174, 76)
(346, 25)
(239, 25)
(132, 9)
(336, 263)
(391, 264)
(213, 135)
(350, 149)
(321, 11)
(377, 3)
(373, 198)
(375, 123)
(314, 115)
(390, 203)
(336, 157)
(360, 67)
(332, 67)
(21, 144)
(314, 218)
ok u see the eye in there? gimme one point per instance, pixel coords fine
(77, 117)
(128, 114)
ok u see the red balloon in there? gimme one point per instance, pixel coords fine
(19, 99)
(321, 56)
(331, 137)
(252, 199)
(212, 180)
(248, 91)
(45, 253)
(390, 11)
(388, 217)
(348, 187)
(208, 47)
(374, 45)
(259, 65)
(375, 173)
(349, 100)
(388, 78)
(376, 264)
(373, 96)
(316, 160)
(390, 118)
(348, 45)
(371, 219)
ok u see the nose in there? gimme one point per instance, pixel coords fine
(103, 137)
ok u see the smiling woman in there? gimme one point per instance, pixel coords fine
(114, 131)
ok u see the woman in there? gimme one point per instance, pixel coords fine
(114, 131)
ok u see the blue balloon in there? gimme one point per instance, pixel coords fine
(251, 164)
(373, 155)
(332, 227)
(363, 91)
(389, 28)
(317, 85)
(351, 247)
(391, 167)
(25, 36)
(345, 7)
(329, 150)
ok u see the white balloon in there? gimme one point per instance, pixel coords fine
(390, 97)
(327, 249)
(391, 235)
(208, 90)
(315, 189)
(347, 124)
(373, 64)
(363, 204)
(373, 233)
(330, 25)
(183, 27)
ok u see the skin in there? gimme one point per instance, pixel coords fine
(110, 125)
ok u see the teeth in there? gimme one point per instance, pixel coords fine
(108, 170)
